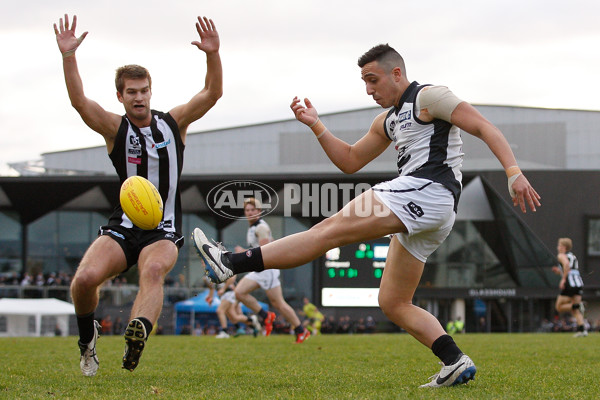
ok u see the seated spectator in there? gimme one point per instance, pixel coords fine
(107, 325)
(370, 325)
(118, 328)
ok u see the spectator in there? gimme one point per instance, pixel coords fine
(370, 323)
(118, 326)
(344, 325)
(107, 325)
(329, 325)
(361, 326)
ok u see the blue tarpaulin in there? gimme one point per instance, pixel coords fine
(198, 310)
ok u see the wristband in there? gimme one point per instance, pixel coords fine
(512, 173)
(68, 53)
(314, 123)
(513, 170)
(322, 133)
(318, 128)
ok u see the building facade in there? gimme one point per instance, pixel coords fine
(493, 270)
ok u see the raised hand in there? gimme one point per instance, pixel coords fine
(307, 115)
(209, 37)
(65, 37)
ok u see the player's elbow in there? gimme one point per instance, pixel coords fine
(214, 93)
(350, 170)
(78, 104)
(349, 167)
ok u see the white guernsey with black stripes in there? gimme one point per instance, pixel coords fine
(156, 153)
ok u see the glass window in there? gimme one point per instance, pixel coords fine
(58, 240)
(42, 244)
(593, 236)
(10, 244)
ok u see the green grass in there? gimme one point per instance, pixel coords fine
(382, 366)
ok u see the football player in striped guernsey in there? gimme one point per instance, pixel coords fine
(150, 144)
(571, 285)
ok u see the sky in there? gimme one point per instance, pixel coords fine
(534, 53)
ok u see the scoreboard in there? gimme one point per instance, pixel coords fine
(349, 276)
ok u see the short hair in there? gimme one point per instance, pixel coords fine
(255, 202)
(131, 71)
(385, 55)
(567, 242)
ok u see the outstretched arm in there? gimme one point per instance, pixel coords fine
(466, 117)
(199, 105)
(348, 158)
(93, 115)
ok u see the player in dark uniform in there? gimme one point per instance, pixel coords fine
(418, 207)
(571, 285)
(142, 142)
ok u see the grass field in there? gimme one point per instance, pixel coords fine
(381, 366)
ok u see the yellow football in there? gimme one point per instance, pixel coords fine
(141, 202)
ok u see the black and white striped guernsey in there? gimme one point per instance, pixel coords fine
(573, 277)
(155, 153)
(429, 150)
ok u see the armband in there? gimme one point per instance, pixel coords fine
(439, 101)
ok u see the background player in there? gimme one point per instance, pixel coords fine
(229, 308)
(571, 285)
(258, 234)
(314, 317)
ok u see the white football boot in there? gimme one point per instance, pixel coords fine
(88, 362)
(213, 256)
(461, 371)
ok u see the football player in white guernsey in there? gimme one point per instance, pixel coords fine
(259, 233)
(142, 142)
(418, 207)
(570, 285)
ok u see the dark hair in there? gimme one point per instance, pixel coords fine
(385, 55)
(131, 71)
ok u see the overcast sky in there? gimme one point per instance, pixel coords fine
(536, 53)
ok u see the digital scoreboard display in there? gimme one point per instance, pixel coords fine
(349, 276)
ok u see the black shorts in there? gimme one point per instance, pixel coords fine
(571, 291)
(133, 240)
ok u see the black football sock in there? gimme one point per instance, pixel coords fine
(263, 314)
(446, 350)
(299, 329)
(249, 260)
(147, 325)
(85, 323)
(576, 306)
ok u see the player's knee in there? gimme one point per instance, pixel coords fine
(153, 271)
(327, 232)
(385, 304)
(239, 296)
(85, 280)
(392, 305)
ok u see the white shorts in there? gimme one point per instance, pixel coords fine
(229, 296)
(425, 207)
(267, 279)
